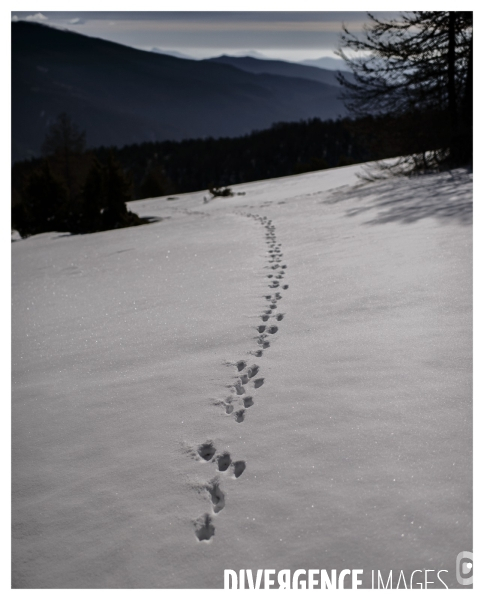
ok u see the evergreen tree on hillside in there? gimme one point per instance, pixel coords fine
(43, 206)
(417, 68)
(116, 193)
(63, 145)
(93, 199)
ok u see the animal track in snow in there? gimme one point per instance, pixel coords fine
(253, 370)
(217, 496)
(240, 415)
(204, 528)
(261, 340)
(239, 388)
(239, 468)
(206, 451)
(248, 401)
(239, 402)
(224, 461)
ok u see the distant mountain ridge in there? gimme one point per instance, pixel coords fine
(326, 62)
(174, 53)
(121, 95)
(278, 67)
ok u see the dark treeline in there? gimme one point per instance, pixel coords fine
(78, 190)
(197, 164)
(161, 168)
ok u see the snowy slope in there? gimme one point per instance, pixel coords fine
(356, 442)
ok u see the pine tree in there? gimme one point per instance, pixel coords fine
(414, 66)
(64, 142)
(43, 206)
(117, 192)
(93, 199)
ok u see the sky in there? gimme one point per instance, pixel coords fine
(285, 35)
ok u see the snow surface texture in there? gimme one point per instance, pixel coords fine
(280, 379)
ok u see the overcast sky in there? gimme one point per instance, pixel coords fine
(286, 35)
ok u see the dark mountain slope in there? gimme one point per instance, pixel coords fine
(121, 95)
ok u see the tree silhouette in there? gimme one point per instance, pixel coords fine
(93, 199)
(414, 66)
(63, 143)
(43, 206)
(116, 194)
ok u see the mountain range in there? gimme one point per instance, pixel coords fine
(278, 67)
(121, 95)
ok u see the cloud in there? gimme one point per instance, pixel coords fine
(181, 25)
(76, 21)
(15, 18)
(39, 17)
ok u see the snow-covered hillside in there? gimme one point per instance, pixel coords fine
(281, 379)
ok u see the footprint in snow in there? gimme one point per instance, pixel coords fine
(253, 370)
(216, 495)
(206, 450)
(258, 382)
(224, 461)
(239, 468)
(239, 388)
(204, 528)
(240, 415)
(248, 401)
